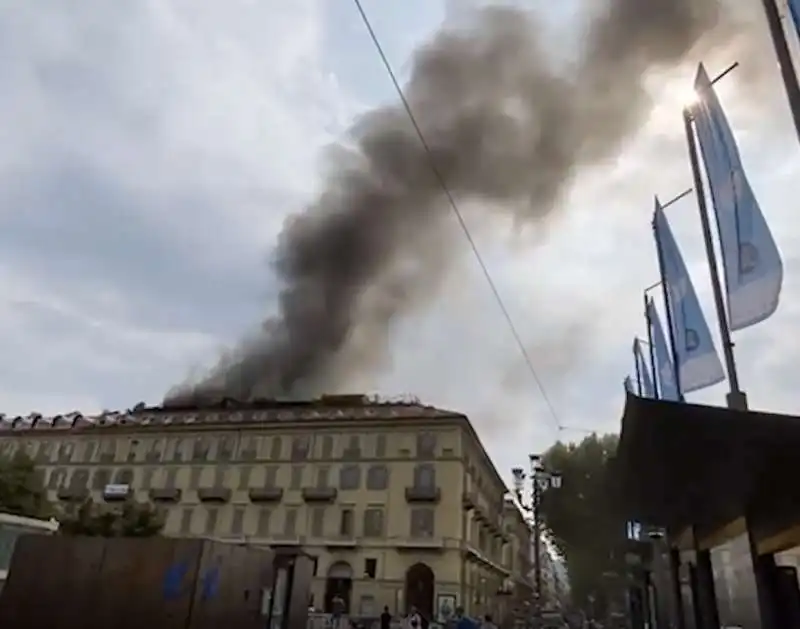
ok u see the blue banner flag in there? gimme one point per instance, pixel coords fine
(699, 365)
(794, 11)
(666, 375)
(643, 370)
(752, 262)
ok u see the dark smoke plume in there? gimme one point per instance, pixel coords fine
(509, 127)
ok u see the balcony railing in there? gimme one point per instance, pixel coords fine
(423, 494)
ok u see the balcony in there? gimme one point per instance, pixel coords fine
(320, 494)
(214, 494)
(469, 500)
(423, 494)
(165, 495)
(72, 494)
(117, 493)
(266, 494)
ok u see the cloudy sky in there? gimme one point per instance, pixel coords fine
(151, 149)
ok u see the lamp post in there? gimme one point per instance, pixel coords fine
(541, 479)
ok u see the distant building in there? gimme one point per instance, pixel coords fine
(398, 502)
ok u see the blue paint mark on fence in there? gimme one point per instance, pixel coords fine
(174, 578)
(174, 585)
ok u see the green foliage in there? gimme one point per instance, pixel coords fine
(21, 490)
(130, 519)
(581, 519)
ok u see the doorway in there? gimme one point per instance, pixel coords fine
(339, 585)
(420, 585)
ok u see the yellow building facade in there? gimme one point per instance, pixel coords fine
(399, 503)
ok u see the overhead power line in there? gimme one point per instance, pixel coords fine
(457, 212)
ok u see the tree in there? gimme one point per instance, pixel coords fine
(21, 490)
(131, 519)
(582, 520)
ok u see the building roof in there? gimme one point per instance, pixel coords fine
(681, 465)
(227, 411)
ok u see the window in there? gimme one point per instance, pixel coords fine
(171, 480)
(370, 567)
(123, 476)
(275, 449)
(173, 449)
(327, 447)
(350, 477)
(353, 449)
(186, 520)
(346, 523)
(290, 522)
(373, 522)
(219, 475)
(154, 450)
(323, 476)
(244, 477)
(300, 446)
(380, 446)
(378, 477)
(58, 479)
(263, 523)
(237, 521)
(89, 451)
(426, 445)
(270, 476)
(133, 450)
(80, 479)
(199, 449)
(318, 522)
(422, 522)
(297, 477)
(248, 448)
(102, 477)
(212, 515)
(225, 448)
(425, 476)
(65, 453)
(147, 478)
(194, 477)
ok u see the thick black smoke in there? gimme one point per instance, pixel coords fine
(508, 125)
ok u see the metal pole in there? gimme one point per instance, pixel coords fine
(638, 370)
(654, 369)
(784, 56)
(736, 398)
(537, 559)
(668, 307)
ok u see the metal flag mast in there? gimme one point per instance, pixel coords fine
(736, 399)
(788, 73)
(653, 368)
(638, 367)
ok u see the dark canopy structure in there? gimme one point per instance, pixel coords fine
(681, 465)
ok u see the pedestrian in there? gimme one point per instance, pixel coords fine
(462, 621)
(386, 618)
(487, 622)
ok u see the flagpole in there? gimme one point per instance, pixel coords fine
(638, 369)
(782, 52)
(665, 289)
(653, 367)
(736, 399)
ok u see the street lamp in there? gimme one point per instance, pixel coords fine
(541, 479)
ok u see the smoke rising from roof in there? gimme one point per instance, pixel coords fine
(509, 126)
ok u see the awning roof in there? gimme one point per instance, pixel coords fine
(682, 464)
